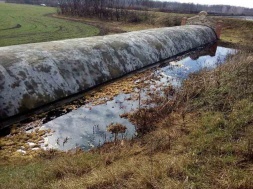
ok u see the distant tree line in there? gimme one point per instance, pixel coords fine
(194, 8)
(101, 7)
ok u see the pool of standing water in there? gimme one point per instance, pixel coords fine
(86, 127)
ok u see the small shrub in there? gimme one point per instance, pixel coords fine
(116, 128)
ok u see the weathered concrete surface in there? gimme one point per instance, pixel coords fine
(35, 74)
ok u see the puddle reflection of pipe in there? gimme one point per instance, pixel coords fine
(210, 50)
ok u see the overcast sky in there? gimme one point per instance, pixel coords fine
(242, 3)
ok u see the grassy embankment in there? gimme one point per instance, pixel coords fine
(20, 24)
(201, 139)
(237, 32)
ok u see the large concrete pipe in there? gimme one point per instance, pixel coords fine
(32, 75)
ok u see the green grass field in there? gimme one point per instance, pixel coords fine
(20, 24)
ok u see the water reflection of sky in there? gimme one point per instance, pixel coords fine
(86, 126)
(187, 65)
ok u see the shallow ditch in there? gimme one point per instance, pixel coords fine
(83, 123)
(85, 127)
